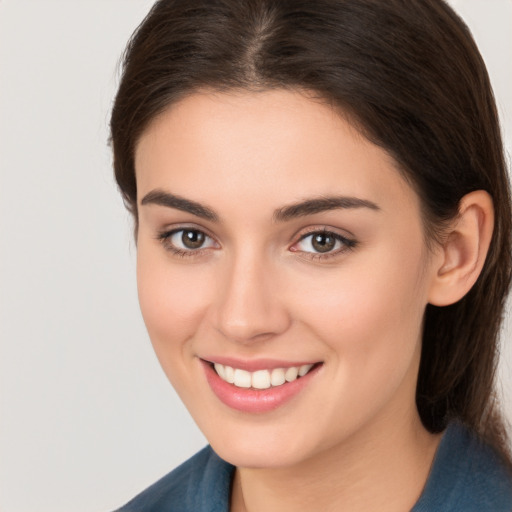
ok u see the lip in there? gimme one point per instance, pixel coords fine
(251, 400)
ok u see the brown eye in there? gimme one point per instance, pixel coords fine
(323, 242)
(186, 241)
(192, 239)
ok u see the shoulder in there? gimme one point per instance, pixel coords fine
(201, 484)
(467, 475)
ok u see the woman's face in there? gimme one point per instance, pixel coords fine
(273, 238)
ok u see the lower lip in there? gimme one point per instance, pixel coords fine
(255, 400)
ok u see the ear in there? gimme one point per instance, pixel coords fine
(463, 252)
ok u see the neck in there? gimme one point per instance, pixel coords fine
(378, 469)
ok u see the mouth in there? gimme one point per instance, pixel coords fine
(264, 389)
(261, 379)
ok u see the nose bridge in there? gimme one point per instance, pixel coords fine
(248, 304)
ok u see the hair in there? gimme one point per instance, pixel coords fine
(410, 77)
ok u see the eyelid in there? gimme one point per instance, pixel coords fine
(164, 236)
(173, 228)
(323, 228)
(348, 242)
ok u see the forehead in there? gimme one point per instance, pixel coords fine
(272, 146)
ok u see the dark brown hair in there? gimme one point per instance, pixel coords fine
(409, 74)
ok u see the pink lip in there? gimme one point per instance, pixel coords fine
(255, 400)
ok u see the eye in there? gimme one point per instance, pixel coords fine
(323, 243)
(185, 241)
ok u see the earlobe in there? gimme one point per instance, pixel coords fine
(463, 252)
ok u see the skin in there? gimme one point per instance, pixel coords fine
(352, 437)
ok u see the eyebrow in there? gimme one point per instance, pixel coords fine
(321, 204)
(301, 209)
(169, 200)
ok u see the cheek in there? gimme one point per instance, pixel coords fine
(369, 314)
(172, 300)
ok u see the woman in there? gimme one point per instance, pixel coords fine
(322, 218)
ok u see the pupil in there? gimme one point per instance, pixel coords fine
(192, 239)
(323, 243)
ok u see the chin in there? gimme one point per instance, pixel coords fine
(256, 457)
(262, 449)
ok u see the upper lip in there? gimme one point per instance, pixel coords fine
(252, 365)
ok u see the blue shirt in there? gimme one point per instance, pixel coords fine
(466, 476)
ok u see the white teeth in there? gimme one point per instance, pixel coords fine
(291, 373)
(304, 369)
(230, 374)
(277, 377)
(260, 379)
(220, 369)
(242, 379)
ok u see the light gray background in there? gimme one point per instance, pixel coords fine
(87, 418)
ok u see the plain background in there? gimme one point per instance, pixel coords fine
(87, 418)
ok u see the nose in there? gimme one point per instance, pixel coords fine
(249, 305)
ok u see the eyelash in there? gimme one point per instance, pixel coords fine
(165, 239)
(347, 244)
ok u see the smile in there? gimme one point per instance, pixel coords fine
(261, 379)
(254, 388)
